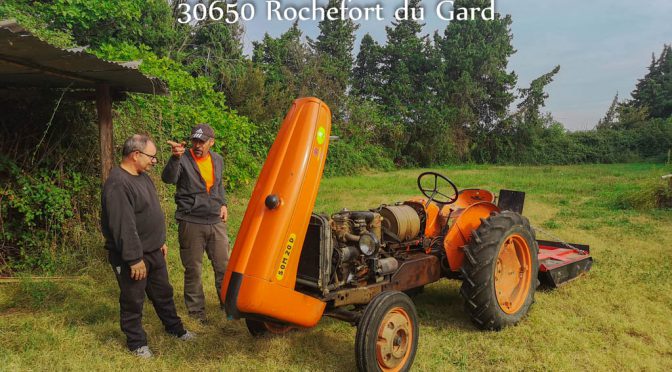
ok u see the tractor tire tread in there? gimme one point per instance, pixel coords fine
(478, 269)
(366, 335)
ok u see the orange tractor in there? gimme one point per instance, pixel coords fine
(290, 267)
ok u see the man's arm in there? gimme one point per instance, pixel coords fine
(222, 190)
(121, 224)
(224, 212)
(171, 172)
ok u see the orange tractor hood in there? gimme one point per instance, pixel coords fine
(261, 275)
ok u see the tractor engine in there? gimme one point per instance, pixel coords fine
(370, 244)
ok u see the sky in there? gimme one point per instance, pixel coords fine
(602, 46)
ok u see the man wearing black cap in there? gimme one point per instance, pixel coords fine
(201, 213)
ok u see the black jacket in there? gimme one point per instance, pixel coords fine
(132, 220)
(194, 204)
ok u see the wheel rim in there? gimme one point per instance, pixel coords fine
(395, 340)
(277, 328)
(513, 274)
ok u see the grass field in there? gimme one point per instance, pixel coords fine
(618, 317)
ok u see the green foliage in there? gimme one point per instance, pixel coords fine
(473, 83)
(649, 195)
(368, 140)
(192, 100)
(334, 47)
(534, 97)
(211, 47)
(610, 118)
(36, 211)
(654, 91)
(96, 22)
(348, 158)
(23, 15)
(366, 74)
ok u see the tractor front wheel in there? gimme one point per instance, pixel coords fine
(500, 271)
(387, 334)
(259, 328)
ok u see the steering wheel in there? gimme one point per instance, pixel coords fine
(432, 193)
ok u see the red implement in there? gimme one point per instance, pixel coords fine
(559, 263)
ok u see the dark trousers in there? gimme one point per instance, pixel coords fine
(132, 298)
(195, 239)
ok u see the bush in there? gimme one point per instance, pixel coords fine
(37, 213)
(651, 195)
(192, 100)
(349, 158)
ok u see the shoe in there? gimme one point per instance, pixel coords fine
(143, 352)
(187, 336)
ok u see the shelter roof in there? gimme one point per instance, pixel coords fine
(27, 61)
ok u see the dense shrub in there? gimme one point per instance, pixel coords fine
(192, 100)
(38, 211)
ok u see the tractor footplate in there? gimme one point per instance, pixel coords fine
(559, 264)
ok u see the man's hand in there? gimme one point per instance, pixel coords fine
(139, 271)
(177, 148)
(164, 250)
(224, 213)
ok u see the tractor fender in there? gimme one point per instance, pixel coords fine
(462, 224)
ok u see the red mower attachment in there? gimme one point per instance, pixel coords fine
(560, 263)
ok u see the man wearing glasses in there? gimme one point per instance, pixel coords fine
(201, 213)
(135, 235)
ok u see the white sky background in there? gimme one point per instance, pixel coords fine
(602, 46)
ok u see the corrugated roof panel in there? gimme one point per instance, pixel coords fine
(27, 61)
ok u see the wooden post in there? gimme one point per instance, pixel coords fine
(104, 107)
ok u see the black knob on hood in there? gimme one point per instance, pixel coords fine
(272, 201)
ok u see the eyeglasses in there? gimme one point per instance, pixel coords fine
(153, 157)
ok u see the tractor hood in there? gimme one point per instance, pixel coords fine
(261, 275)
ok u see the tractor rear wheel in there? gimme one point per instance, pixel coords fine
(500, 271)
(259, 328)
(387, 334)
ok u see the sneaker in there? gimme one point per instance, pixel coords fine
(143, 352)
(187, 336)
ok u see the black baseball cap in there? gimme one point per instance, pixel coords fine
(202, 132)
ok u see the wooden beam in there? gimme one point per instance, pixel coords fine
(104, 107)
(72, 95)
(45, 70)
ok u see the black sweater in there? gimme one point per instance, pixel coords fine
(194, 203)
(132, 220)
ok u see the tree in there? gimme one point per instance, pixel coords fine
(334, 47)
(610, 118)
(404, 92)
(366, 77)
(654, 91)
(211, 48)
(474, 80)
(534, 97)
(283, 59)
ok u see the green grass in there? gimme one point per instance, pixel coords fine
(616, 317)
